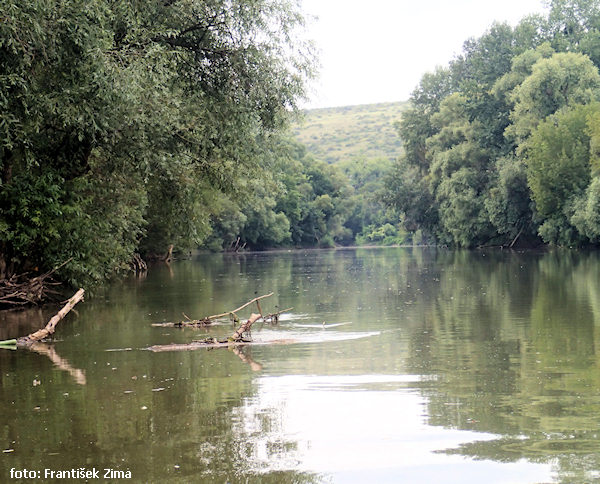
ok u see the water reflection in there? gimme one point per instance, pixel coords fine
(395, 365)
(362, 428)
(48, 350)
(513, 342)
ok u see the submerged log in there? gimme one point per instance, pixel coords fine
(212, 343)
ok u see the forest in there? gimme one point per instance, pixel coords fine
(502, 146)
(128, 127)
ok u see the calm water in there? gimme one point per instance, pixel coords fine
(405, 365)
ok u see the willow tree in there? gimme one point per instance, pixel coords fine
(122, 123)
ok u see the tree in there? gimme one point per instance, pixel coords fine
(558, 170)
(409, 194)
(570, 22)
(415, 126)
(458, 174)
(508, 203)
(121, 123)
(564, 80)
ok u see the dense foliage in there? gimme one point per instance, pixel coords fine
(501, 146)
(309, 203)
(128, 126)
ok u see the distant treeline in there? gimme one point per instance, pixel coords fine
(310, 203)
(502, 146)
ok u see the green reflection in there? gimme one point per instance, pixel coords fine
(500, 343)
(512, 341)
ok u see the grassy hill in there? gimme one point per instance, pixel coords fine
(364, 131)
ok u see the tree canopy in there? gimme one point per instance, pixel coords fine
(504, 139)
(127, 126)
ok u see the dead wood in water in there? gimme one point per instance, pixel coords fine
(23, 290)
(256, 299)
(245, 327)
(168, 257)
(273, 318)
(48, 330)
(208, 320)
(236, 339)
(138, 265)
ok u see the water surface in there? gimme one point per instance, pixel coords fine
(400, 365)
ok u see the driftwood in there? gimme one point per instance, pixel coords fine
(274, 317)
(212, 343)
(516, 238)
(48, 330)
(245, 328)
(208, 320)
(23, 290)
(236, 339)
(168, 257)
(233, 313)
(235, 246)
(33, 341)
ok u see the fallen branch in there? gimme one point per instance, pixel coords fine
(256, 299)
(515, 239)
(207, 320)
(236, 339)
(23, 290)
(48, 330)
(245, 327)
(212, 343)
(138, 264)
(168, 257)
(274, 317)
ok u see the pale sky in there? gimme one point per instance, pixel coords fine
(377, 50)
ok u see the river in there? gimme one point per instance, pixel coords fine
(394, 365)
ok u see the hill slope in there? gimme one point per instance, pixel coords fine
(365, 131)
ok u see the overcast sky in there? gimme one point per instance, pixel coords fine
(377, 50)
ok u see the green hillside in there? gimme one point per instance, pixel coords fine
(366, 131)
